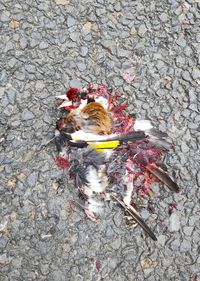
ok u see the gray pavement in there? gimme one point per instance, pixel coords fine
(47, 46)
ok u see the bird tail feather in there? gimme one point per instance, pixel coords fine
(162, 176)
(131, 211)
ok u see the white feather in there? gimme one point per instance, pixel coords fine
(108, 153)
(97, 182)
(62, 97)
(94, 180)
(87, 191)
(142, 125)
(129, 190)
(95, 206)
(83, 104)
(84, 90)
(57, 133)
(81, 135)
(103, 177)
(103, 101)
(65, 103)
(107, 197)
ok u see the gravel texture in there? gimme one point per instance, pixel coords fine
(47, 46)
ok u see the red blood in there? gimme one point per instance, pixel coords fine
(70, 107)
(98, 265)
(72, 94)
(172, 206)
(62, 162)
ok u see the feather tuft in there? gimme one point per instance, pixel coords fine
(94, 181)
(142, 125)
(95, 206)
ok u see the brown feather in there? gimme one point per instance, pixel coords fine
(99, 117)
(162, 176)
(136, 218)
(93, 118)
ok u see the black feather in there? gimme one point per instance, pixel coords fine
(78, 143)
(79, 172)
(158, 139)
(157, 133)
(136, 218)
(164, 177)
(83, 159)
(89, 100)
(93, 158)
(131, 136)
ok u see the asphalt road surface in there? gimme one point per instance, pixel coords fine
(47, 47)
